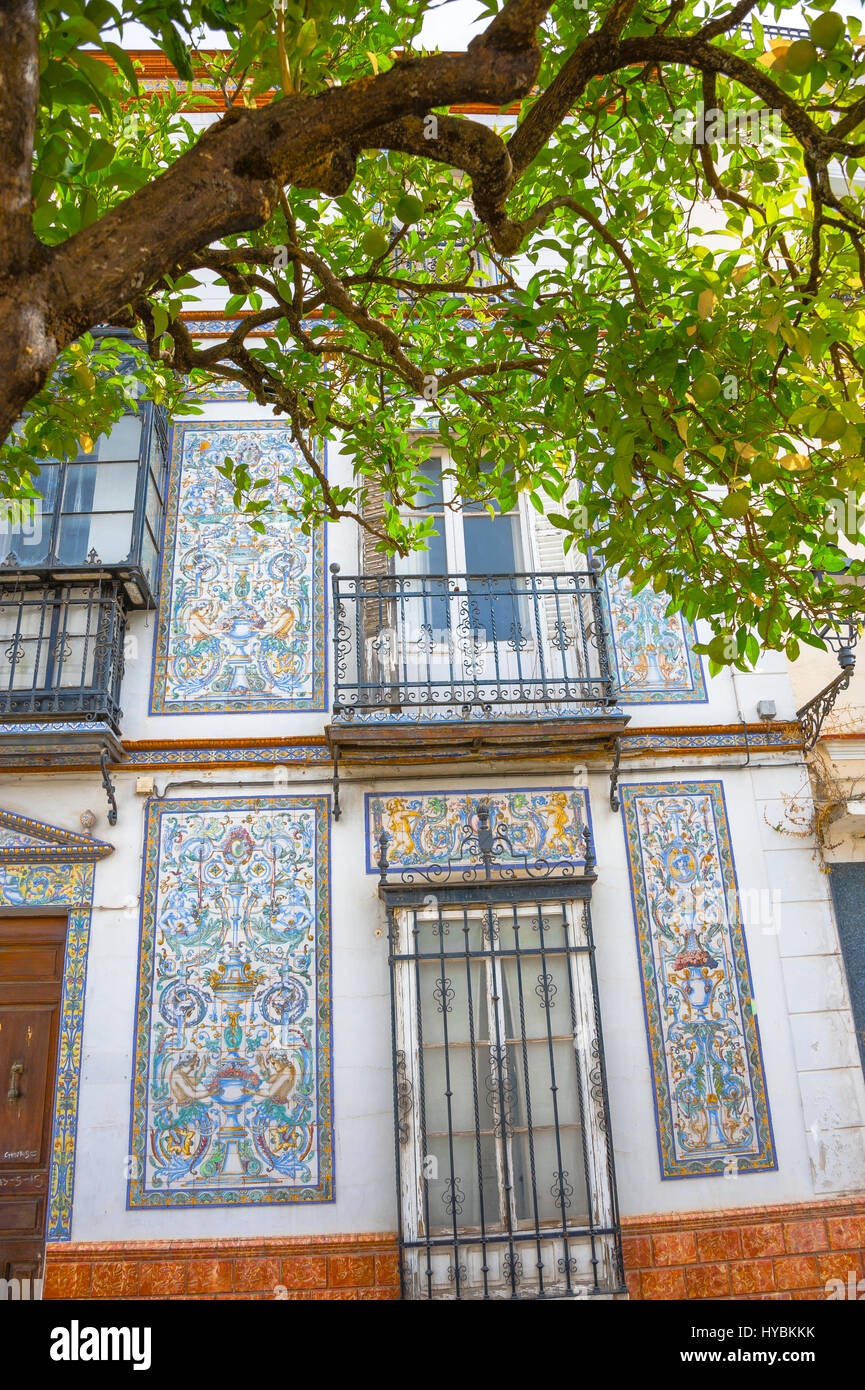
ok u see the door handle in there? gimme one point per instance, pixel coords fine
(17, 1070)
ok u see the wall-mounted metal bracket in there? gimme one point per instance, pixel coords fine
(337, 809)
(109, 787)
(813, 715)
(614, 776)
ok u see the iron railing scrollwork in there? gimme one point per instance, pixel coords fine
(486, 851)
(466, 646)
(62, 651)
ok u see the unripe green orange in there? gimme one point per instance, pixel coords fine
(705, 387)
(800, 57)
(827, 29)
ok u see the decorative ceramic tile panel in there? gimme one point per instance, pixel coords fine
(711, 1107)
(653, 654)
(429, 828)
(14, 839)
(67, 886)
(275, 756)
(231, 1098)
(241, 624)
(24, 840)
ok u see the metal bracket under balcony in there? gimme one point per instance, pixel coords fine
(477, 666)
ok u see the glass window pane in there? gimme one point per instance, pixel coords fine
(157, 460)
(110, 535)
(538, 1096)
(154, 507)
(25, 529)
(455, 932)
(545, 999)
(150, 560)
(123, 440)
(451, 1069)
(25, 525)
(493, 548)
(103, 487)
(427, 606)
(446, 991)
(431, 501)
(559, 1168)
(470, 505)
(458, 1193)
(492, 544)
(45, 483)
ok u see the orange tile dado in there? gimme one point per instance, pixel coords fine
(784, 1252)
(311, 1267)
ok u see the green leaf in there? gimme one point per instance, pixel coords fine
(176, 52)
(123, 61)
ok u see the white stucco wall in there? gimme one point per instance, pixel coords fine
(812, 1072)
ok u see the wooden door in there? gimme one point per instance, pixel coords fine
(31, 984)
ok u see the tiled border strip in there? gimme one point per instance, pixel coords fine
(358, 1267)
(777, 1252)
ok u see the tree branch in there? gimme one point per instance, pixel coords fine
(19, 94)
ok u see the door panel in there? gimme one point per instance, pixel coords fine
(31, 986)
(847, 882)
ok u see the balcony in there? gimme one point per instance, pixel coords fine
(100, 513)
(61, 663)
(513, 665)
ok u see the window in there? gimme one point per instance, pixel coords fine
(472, 543)
(102, 509)
(489, 614)
(506, 1186)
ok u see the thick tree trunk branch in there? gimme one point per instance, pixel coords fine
(19, 93)
(229, 182)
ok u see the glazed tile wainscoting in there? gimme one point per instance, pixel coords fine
(301, 1267)
(747, 1253)
(779, 1252)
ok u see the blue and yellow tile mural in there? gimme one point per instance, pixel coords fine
(231, 1091)
(241, 625)
(653, 655)
(430, 828)
(44, 866)
(711, 1107)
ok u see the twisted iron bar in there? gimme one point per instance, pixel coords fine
(814, 714)
(488, 848)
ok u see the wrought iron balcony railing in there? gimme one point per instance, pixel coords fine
(467, 646)
(61, 652)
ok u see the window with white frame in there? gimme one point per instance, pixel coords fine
(490, 613)
(486, 548)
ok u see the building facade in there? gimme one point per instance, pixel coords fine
(423, 930)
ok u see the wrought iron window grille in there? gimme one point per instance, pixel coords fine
(503, 1151)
